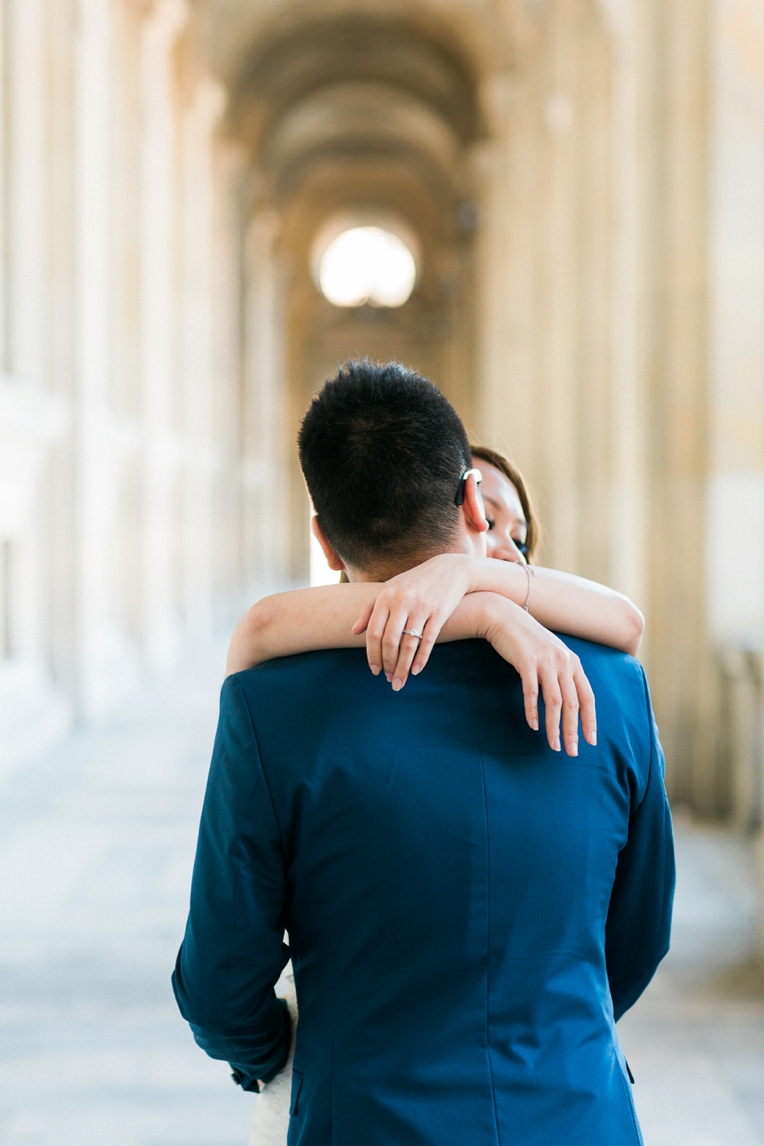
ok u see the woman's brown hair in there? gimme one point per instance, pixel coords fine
(499, 462)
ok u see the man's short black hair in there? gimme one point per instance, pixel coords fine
(383, 451)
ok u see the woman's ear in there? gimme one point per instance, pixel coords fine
(474, 513)
(332, 559)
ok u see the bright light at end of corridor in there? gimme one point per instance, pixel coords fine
(367, 264)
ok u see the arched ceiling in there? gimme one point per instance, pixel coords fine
(362, 120)
(314, 83)
(288, 68)
(487, 32)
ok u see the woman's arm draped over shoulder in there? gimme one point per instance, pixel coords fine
(310, 619)
(305, 620)
(562, 602)
(300, 621)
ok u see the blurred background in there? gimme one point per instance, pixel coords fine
(552, 208)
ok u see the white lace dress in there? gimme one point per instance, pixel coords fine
(271, 1119)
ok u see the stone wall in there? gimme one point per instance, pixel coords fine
(123, 466)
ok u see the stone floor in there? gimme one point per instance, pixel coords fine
(96, 846)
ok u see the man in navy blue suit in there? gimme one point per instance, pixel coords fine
(468, 911)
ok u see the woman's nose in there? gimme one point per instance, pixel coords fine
(506, 550)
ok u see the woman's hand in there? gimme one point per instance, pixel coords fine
(547, 665)
(422, 598)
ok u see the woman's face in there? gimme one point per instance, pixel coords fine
(507, 527)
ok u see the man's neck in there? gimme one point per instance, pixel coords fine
(388, 569)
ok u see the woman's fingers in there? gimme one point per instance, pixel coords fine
(415, 653)
(561, 704)
(388, 648)
(430, 634)
(568, 695)
(363, 619)
(588, 706)
(544, 662)
(375, 631)
(530, 678)
(550, 688)
(391, 641)
(569, 712)
(406, 654)
(408, 649)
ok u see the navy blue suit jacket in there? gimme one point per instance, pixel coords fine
(468, 912)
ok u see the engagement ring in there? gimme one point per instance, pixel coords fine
(413, 633)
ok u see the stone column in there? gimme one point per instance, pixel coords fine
(26, 86)
(593, 291)
(735, 497)
(266, 468)
(679, 655)
(558, 331)
(106, 665)
(735, 487)
(197, 365)
(660, 54)
(228, 395)
(25, 281)
(546, 278)
(628, 413)
(505, 257)
(32, 418)
(159, 365)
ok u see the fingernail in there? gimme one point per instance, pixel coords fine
(556, 744)
(416, 670)
(535, 725)
(397, 684)
(388, 677)
(594, 738)
(374, 669)
(573, 750)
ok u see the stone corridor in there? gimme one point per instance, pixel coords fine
(96, 846)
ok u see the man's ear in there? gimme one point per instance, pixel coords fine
(332, 559)
(474, 513)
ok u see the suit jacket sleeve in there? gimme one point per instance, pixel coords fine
(639, 918)
(233, 952)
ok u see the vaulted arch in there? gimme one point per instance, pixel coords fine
(373, 112)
